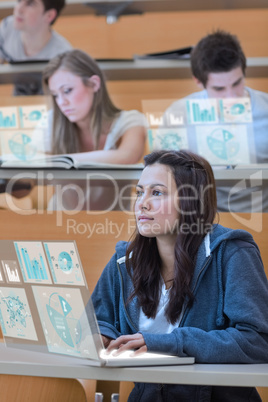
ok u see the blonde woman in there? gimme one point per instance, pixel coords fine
(85, 120)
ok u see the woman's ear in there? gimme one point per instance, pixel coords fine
(95, 82)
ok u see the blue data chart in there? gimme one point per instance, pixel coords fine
(64, 263)
(8, 117)
(15, 314)
(33, 116)
(222, 144)
(168, 138)
(21, 146)
(61, 311)
(32, 262)
(202, 111)
(236, 110)
(8, 121)
(11, 271)
(225, 144)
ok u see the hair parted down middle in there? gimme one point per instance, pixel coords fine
(196, 194)
(65, 132)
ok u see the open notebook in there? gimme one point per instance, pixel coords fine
(45, 305)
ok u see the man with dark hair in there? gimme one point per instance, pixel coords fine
(27, 35)
(219, 66)
(57, 5)
(219, 52)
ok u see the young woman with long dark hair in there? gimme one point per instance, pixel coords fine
(184, 285)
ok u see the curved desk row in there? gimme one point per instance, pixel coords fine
(20, 362)
(124, 173)
(128, 70)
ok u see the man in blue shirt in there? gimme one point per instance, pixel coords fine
(218, 66)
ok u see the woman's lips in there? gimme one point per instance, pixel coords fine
(144, 218)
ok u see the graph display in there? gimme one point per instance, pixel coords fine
(61, 311)
(167, 138)
(11, 271)
(1, 277)
(156, 119)
(18, 145)
(200, 111)
(236, 110)
(64, 263)
(32, 262)
(226, 144)
(9, 118)
(15, 314)
(31, 116)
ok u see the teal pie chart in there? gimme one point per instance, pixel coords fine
(65, 262)
(61, 317)
(22, 147)
(237, 109)
(35, 115)
(222, 144)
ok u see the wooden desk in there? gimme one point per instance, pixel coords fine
(129, 70)
(47, 176)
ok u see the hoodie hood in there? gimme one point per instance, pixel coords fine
(214, 243)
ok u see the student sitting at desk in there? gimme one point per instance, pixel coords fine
(184, 285)
(27, 35)
(87, 123)
(218, 66)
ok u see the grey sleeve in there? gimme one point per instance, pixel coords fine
(2, 35)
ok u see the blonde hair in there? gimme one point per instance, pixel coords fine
(65, 133)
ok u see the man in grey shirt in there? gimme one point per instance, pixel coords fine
(27, 36)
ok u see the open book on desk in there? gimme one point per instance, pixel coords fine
(64, 162)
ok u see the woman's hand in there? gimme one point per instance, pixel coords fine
(133, 342)
(106, 341)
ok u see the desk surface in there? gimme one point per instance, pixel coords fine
(48, 176)
(129, 70)
(19, 362)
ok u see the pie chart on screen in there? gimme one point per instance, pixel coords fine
(22, 147)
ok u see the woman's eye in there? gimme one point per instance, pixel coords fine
(157, 193)
(67, 91)
(138, 193)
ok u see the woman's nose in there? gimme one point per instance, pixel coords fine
(61, 100)
(144, 202)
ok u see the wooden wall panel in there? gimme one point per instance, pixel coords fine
(152, 32)
(130, 94)
(97, 234)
